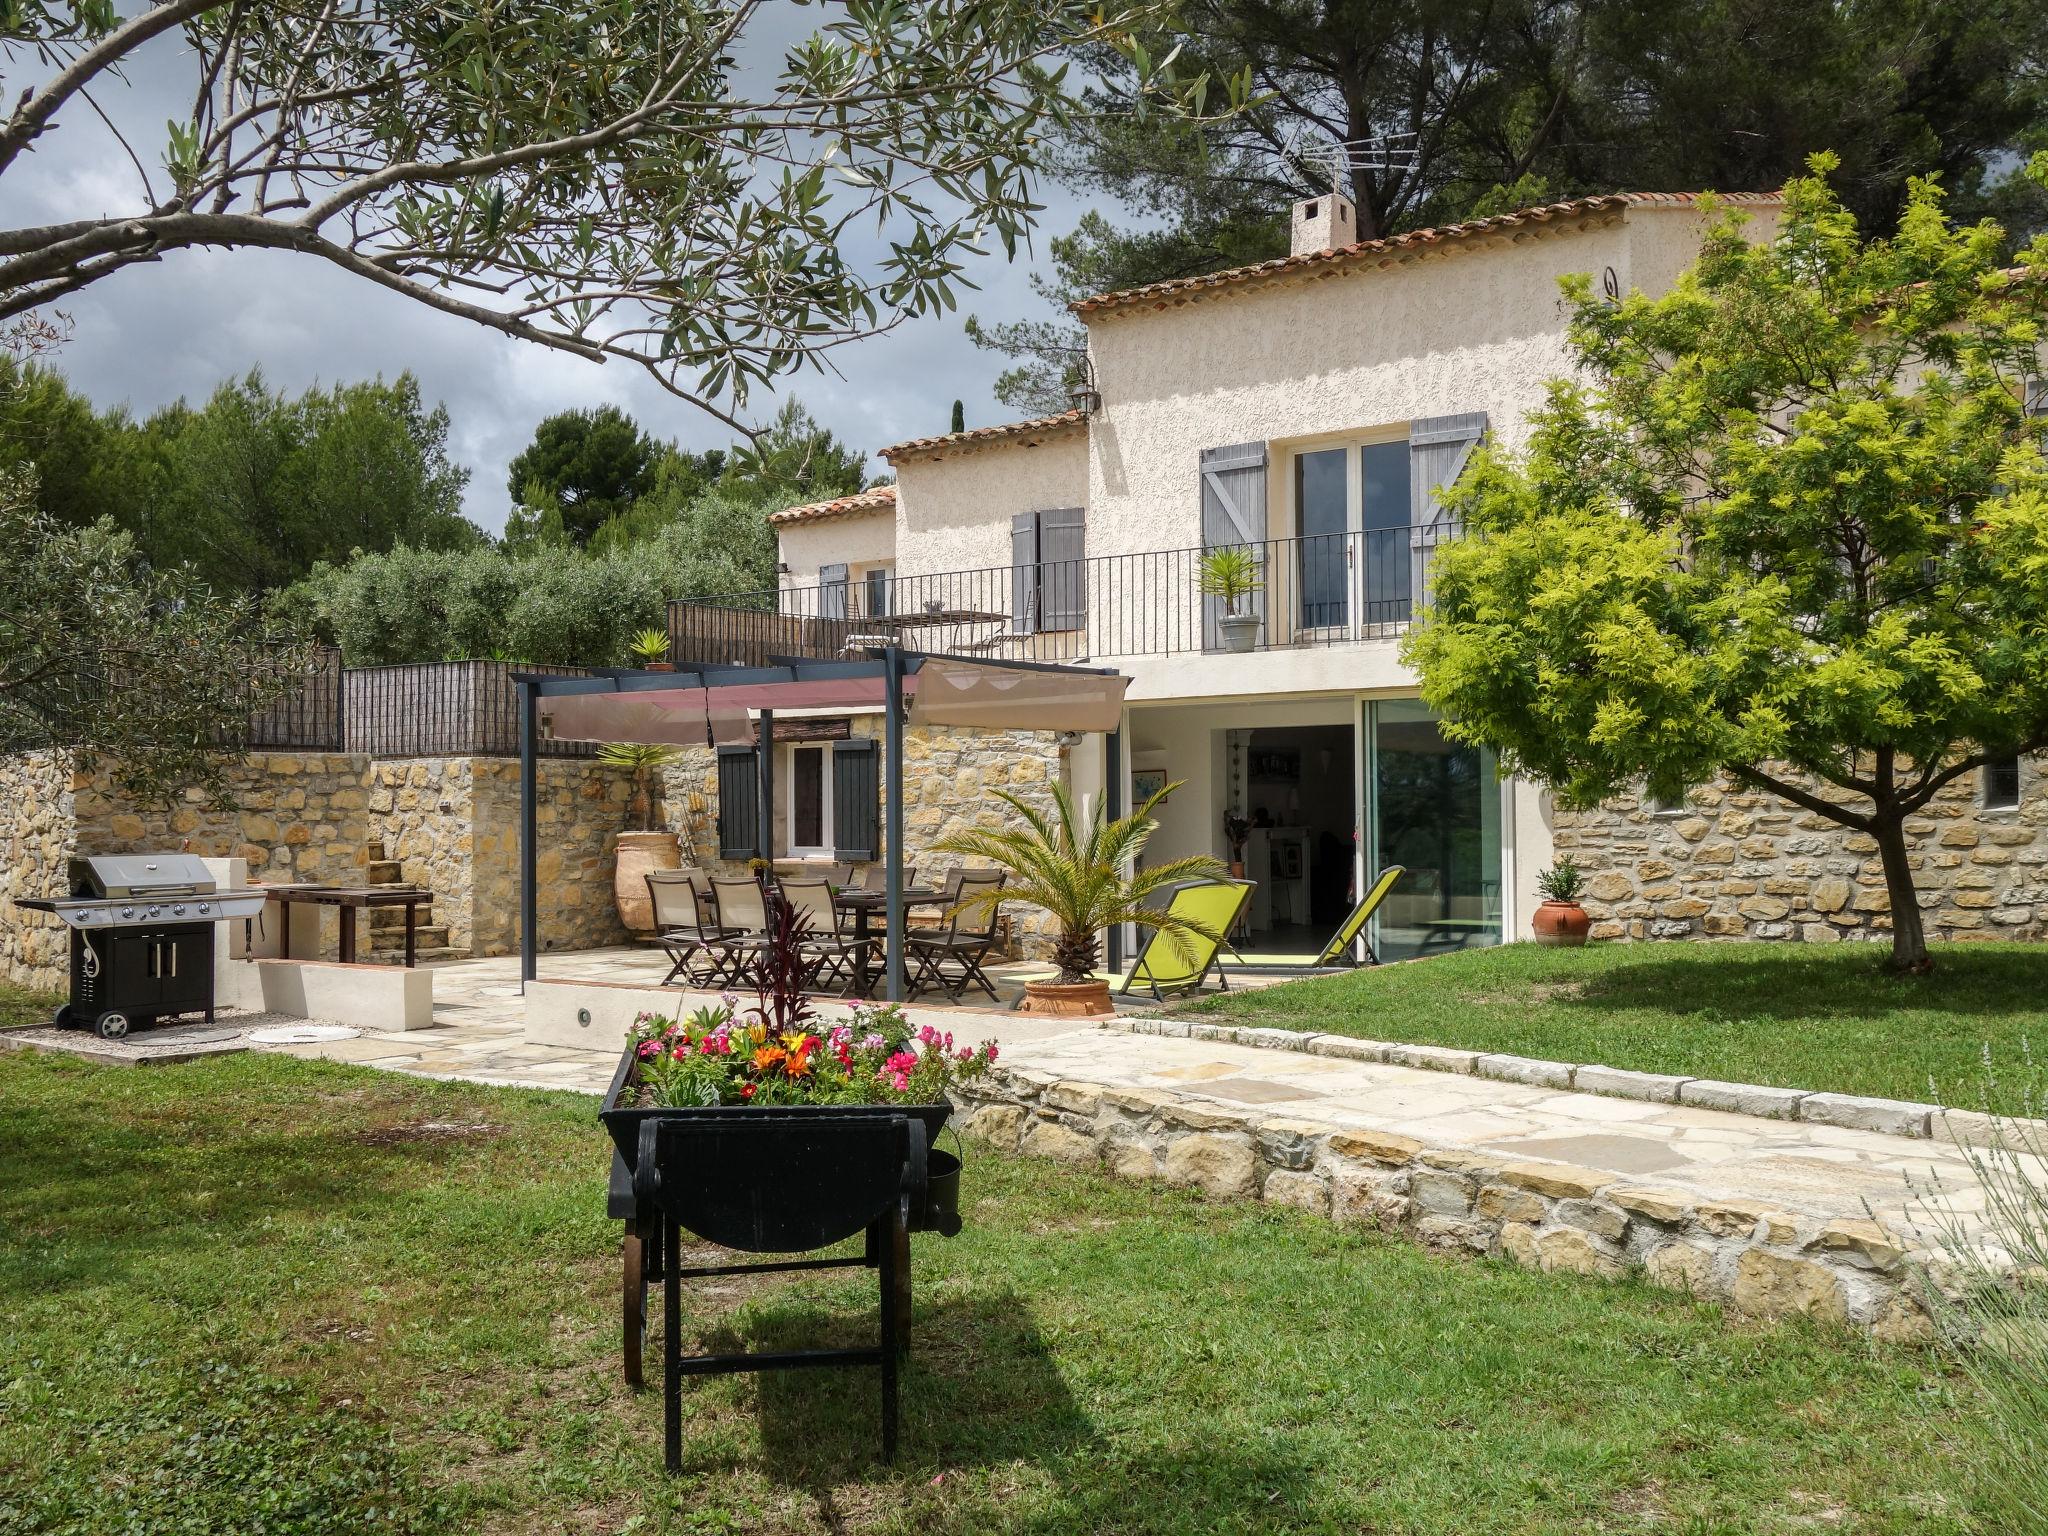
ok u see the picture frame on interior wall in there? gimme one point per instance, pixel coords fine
(1145, 783)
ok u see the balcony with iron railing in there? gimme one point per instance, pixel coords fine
(1322, 591)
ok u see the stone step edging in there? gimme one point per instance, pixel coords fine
(1760, 1260)
(1889, 1117)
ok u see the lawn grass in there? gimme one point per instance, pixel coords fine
(1793, 1016)
(20, 1006)
(349, 1300)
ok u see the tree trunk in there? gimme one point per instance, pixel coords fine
(1909, 934)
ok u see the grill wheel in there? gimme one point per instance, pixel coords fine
(111, 1026)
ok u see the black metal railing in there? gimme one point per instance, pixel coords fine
(307, 716)
(1323, 590)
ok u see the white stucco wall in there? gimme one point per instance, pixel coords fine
(953, 510)
(862, 540)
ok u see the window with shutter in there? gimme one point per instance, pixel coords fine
(876, 594)
(1233, 512)
(1062, 590)
(856, 801)
(832, 584)
(1048, 570)
(1438, 447)
(739, 803)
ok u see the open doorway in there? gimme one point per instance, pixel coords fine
(1299, 791)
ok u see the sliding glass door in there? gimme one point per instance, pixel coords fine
(1434, 809)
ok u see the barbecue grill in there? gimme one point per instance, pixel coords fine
(141, 938)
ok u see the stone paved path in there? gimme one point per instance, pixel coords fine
(1809, 1168)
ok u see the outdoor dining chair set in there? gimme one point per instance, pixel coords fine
(715, 929)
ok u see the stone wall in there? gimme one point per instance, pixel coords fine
(1737, 863)
(948, 772)
(1763, 1261)
(298, 816)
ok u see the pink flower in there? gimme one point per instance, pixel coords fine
(682, 1049)
(990, 1048)
(649, 1048)
(901, 1062)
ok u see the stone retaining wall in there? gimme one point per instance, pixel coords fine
(451, 823)
(1762, 1261)
(1737, 863)
(299, 816)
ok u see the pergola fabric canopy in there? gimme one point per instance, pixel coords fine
(679, 717)
(974, 693)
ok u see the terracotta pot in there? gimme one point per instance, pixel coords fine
(640, 852)
(1067, 1000)
(1561, 923)
(659, 666)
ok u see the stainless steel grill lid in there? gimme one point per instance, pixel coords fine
(142, 874)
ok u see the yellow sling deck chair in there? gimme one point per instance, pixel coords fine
(1179, 962)
(1338, 950)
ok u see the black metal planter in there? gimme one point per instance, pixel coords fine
(782, 1179)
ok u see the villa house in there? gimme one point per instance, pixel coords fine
(1310, 407)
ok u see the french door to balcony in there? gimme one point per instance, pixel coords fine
(1352, 511)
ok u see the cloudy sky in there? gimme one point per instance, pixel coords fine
(150, 334)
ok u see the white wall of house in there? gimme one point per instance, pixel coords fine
(862, 541)
(953, 508)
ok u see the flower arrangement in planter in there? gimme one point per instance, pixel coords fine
(723, 1054)
(1561, 921)
(1232, 572)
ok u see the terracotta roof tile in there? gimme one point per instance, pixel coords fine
(1182, 290)
(881, 498)
(1041, 426)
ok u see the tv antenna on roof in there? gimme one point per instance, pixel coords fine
(1334, 160)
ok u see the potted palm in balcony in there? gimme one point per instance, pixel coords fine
(650, 847)
(1233, 573)
(650, 650)
(1075, 874)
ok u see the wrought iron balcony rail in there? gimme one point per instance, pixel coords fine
(1323, 590)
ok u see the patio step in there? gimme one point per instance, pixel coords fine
(424, 954)
(382, 871)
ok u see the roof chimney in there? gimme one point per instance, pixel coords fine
(1324, 223)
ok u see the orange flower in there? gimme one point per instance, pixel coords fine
(799, 1065)
(769, 1057)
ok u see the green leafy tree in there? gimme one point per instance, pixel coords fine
(158, 686)
(1790, 524)
(794, 460)
(588, 466)
(603, 179)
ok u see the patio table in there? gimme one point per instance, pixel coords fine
(350, 898)
(864, 905)
(959, 624)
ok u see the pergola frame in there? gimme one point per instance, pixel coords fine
(887, 666)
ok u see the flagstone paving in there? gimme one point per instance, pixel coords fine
(1812, 1169)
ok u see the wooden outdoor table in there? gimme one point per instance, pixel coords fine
(863, 905)
(350, 899)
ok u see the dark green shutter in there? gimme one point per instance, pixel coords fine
(739, 802)
(856, 801)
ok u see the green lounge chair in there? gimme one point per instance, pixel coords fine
(1180, 962)
(1338, 950)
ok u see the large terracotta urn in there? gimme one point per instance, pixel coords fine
(1562, 924)
(1067, 999)
(640, 852)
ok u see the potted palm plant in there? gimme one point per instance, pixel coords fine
(649, 847)
(1233, 573)
(1561, 921)
(650, 650)
(1075, 874)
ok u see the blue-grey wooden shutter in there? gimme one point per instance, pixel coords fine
(1438, 447)
(739, 802)
(856, 801)
(1024, 573)
(1233, 512)
(832, 585)
(1062, 572)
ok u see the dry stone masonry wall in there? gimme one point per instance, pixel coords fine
(1761, 1260)
(1736, 863)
